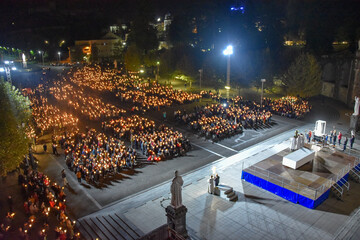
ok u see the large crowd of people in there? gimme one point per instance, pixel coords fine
(92, 107)
(44, 210)
(289, 106)
(93, 156)
(47, 116)
(129, 87)
(156, 144)
(218, 121)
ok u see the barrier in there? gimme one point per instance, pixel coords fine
(294, 191)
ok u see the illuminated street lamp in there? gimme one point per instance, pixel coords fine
(262, 90)
(227, 52)
(59, 54)
(157, 71)
(42, 56)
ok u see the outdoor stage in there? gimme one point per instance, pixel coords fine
(310, 184)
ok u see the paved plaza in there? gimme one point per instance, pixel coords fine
(257, 214)
(138, 197)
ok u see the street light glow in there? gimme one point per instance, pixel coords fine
(228, 50)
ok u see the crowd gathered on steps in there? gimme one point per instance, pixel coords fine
(94, 156)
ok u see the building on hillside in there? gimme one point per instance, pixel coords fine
(162, 28)
(106, 49)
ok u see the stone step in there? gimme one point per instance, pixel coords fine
(230, 190)
(109, 227)
(337, 193)
(127, 226)
(83, 231)
(234, 198)
(91, 228)
(122, 234)
(230, 195)
(105, 228)
(354, 177)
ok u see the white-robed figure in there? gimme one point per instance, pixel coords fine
(301, 140)
(293, 144)
(175, 189)
(357, 105)
(211, 185)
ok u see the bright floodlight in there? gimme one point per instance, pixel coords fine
(2, 69)
(228, 50)
(13, 68)
(6, 62)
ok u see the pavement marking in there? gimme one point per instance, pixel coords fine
(97, 204)
(226, 147)
(215, 153)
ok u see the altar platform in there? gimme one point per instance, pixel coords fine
(308, 185)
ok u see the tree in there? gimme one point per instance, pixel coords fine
(15, 115)
(143, 34)
(303, 77)
(132, 58)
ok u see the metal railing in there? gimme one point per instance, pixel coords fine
(302, 188)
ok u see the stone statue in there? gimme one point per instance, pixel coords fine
(356, 106)
(175, 189)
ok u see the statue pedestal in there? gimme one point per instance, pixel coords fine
(355, 123)
(176, 219)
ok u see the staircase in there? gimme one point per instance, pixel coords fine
(355, 174)
(231, 195)
(227, 192)
(337, 190)
(111, 227)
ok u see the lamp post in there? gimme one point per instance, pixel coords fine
(42, 56)
(262, 90)
(201, 72)
(227, 52)
(157, 71)
(59, 54)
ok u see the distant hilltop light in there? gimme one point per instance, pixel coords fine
(238, 8)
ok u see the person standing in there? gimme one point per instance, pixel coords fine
(45, 147)
(217, 180)
(55, 152)
(352, 140)
(78, 175)
(63, 175)
(331, 136)
(345, 143)
(334, 139)
(339, 137)
(211, 185)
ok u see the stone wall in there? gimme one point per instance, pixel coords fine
(328, 89)
(341, 77)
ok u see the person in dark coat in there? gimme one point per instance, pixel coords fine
(217, 180)
(345, 143)
(352, 140)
